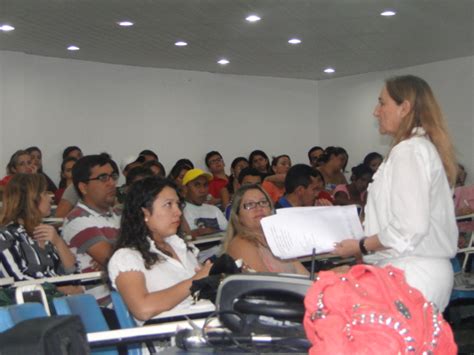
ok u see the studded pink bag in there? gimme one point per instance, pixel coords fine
(372, 310)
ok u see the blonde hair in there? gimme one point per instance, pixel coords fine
(21, 199)
(424, 112)
(235, 227)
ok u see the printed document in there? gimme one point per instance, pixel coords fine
(294, 232)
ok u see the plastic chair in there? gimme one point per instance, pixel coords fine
(32, 291)
(125, 319)
(11, 315)
(86, 307)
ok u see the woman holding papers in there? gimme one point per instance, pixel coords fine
(28, 248)
(245, 239)
(152, 268)
(410, 220)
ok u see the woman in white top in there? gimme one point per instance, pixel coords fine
(409, 216)
(152, 268)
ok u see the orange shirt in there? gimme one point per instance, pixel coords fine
(274, 191)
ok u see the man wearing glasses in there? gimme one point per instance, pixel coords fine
(91, 228)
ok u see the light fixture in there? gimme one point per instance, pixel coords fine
(6, 28)
(388, 13)
(73, 48)
(329, 70)
(294, 41)
(125, 23)
(253, 18)
(181, 44)
(223, 61)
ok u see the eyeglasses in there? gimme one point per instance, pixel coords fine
(105, 177)
(251, 205)
(215, 160)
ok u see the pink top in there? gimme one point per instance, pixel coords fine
(343, 188)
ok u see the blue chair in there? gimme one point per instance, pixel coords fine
(86, 307)
(11, 315)
(125, 320)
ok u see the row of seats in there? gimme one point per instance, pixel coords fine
(84, 305)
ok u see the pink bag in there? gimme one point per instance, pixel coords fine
(372, 310)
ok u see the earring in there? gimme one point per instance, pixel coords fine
(146, 219)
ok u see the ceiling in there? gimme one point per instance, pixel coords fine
(348, 35)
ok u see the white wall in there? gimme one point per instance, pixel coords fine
(346, 105)
(53, 103)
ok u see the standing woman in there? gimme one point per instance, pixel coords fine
(30, 249)
(410, 220)
(152, 268)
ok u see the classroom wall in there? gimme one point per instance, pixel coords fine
(346, 105)
(53, 103)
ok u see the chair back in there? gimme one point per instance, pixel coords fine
(124, 317)
(32, 293)
(11, 315)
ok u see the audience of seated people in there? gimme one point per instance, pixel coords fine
(200, 218)
(274, 184)
(245, 239)
(302, 186)
(354, 193)
(92, 226)
(153, 268)
(331, 165)
(218, 183)
(31, 249)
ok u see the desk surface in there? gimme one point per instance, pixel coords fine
(88, 276)
(208, 238)
(201, 306)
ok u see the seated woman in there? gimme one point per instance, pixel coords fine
(37, 161)
(20, 162)
(30, 249)
(258, 160)
(373, 160)
(66, 177)
(236, 167)
(274, 184)
(354, 193)
(331, 165)
(152, 268)
(177, 173)
(245, 239)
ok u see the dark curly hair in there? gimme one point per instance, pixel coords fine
(133, 230)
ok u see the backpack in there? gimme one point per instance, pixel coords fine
(372, 310)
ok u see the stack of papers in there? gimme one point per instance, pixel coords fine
(294, 232)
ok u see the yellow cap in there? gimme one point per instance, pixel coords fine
(193, 174)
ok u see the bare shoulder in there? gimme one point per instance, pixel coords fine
(240, 247)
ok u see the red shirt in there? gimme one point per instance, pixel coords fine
(216, 185)
(5, 180)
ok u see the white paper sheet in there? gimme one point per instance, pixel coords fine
(295, 231)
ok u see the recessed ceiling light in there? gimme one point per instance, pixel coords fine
(6, 28)
(253, 18)
(388, 13)
(329, 70)
(125, 23)
(294, 41)
(223, 61)
(181, 44)
(73, 48)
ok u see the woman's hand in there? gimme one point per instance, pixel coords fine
(202, 271)
(45, 232)
(347, 248)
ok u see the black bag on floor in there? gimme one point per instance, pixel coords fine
(55, 335)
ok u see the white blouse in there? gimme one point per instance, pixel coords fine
(163, 274)
(410, 208)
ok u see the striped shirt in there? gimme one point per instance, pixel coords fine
(23, 259)
(82, 229)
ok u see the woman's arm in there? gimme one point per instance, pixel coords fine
(350, 247)
(145, 305)
(45, 232)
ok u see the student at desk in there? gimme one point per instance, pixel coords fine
(152, 268)
(28, 248)
(245, 239)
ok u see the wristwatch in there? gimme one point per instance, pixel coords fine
(362, 248)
